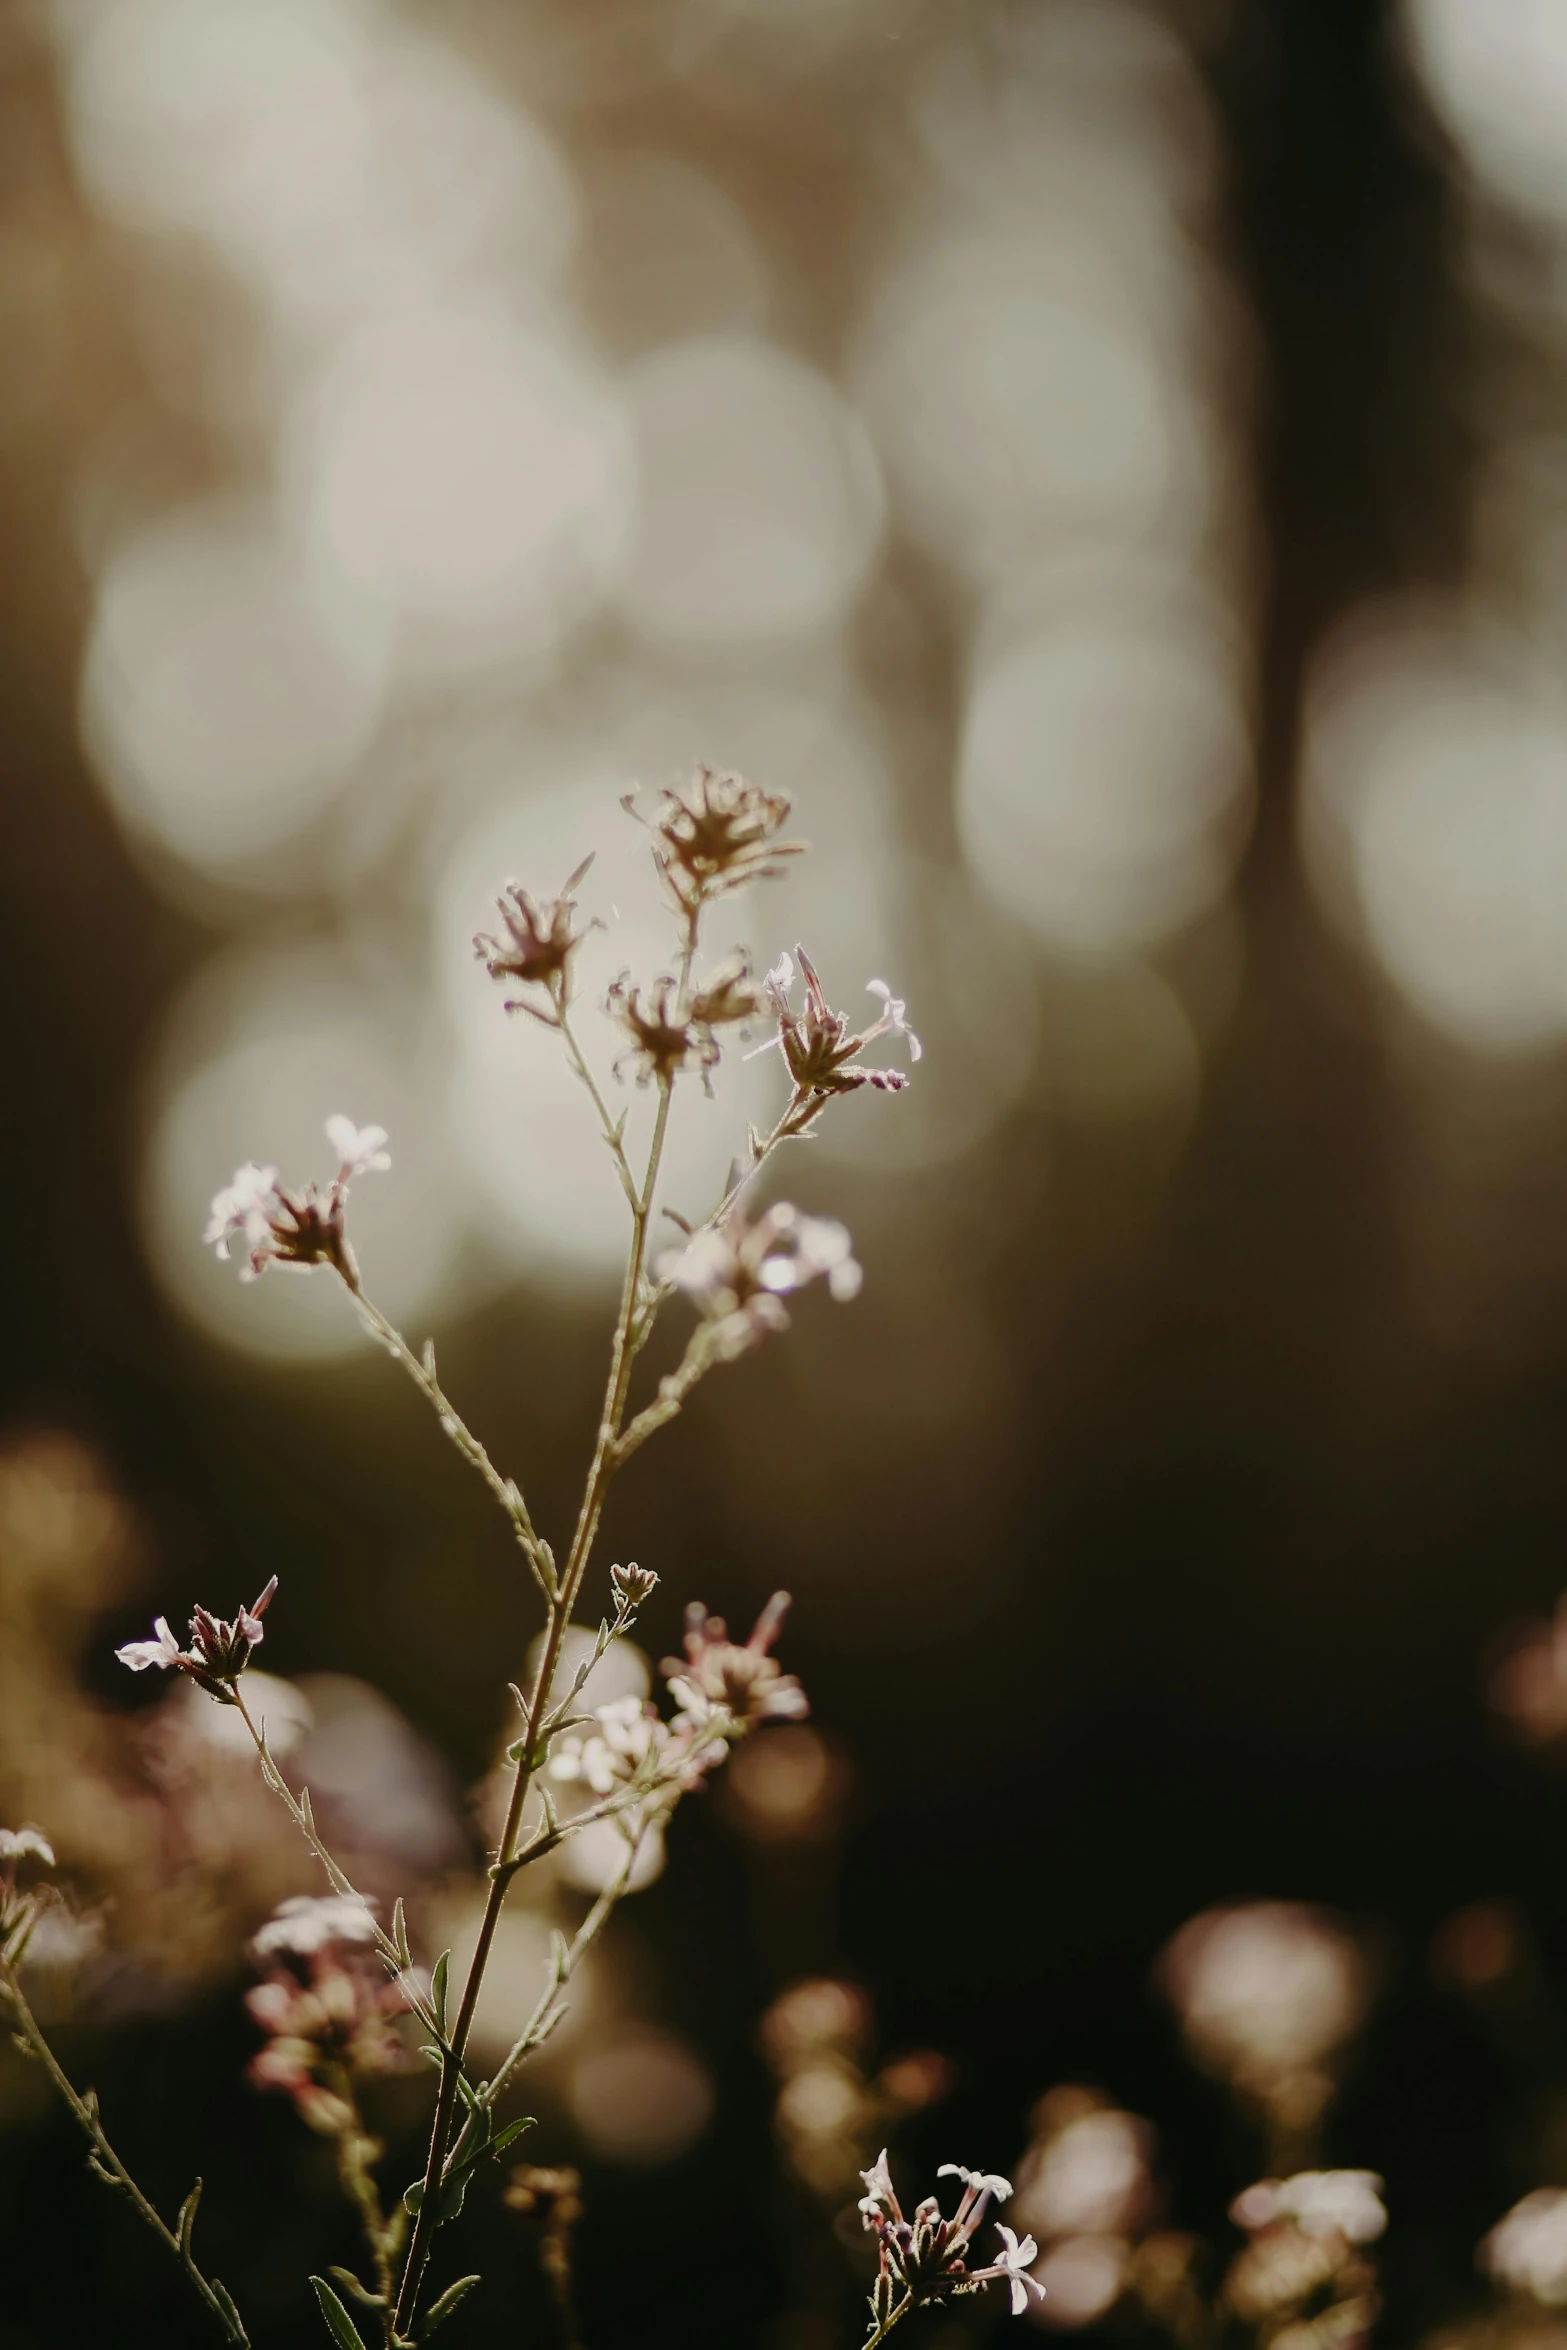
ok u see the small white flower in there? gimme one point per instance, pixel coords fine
(878, 2179)
(361, 1150)
(161, 1650)
(20, 1843)
(979, 2182)
(1014, 2264)
(243, 1205)
(892, 1021)
(307, 1922)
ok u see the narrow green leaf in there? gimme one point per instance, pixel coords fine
(339, 2324)
(305, 1812)
(225, 2301)
(512, 2131)
(187, 2219)
(452, 2199)
(439, 1981)
(440, 2310)
(405, 1956)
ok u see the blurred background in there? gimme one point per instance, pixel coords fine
(1107, 461)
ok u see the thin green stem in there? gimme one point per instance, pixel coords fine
(614, 1128)
(885, 2326)
(563, 1600)
(421, 1370)
(394, 1957)
(110, 2168)
(547, 2013)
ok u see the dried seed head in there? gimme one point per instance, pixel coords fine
(661, 1041)
(717, 833)
(537, 939)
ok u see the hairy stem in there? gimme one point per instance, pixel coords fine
(545, 2016)
(112, 2170)
(563, 1600)
(421, 1370)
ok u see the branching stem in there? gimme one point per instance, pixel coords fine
(108, 2166)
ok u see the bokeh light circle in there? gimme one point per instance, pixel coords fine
(230, 685)
(759, 502)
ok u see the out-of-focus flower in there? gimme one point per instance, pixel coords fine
(19, 1844)
(717, 834)
(20, 1907)
(1528, 1686)
(629, 1738)
(1268, 1994)
(737, 1274)
(537, 941)
(361, 1150)
(329, 2013)
(219, 1651)
(1086, 2189)
(295, 1229)
(1526, 2252)
(1088, 2171)
(831, 2108)
(821, 1047)
(1307, 2235)
(309, 1922)
(1345, 2203)
(746, 1682)
(726, 997)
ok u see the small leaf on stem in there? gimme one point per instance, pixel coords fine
(339, 2324)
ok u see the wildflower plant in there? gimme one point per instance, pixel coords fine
(339, 1990)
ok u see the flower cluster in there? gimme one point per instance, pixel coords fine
(925, 2258)
(327, 2008)
(721, 1691)
(717, 1678)
(1303, 2276)
(20, 1906)
(219, 1650)
(295, 1229)
(737, 1274)
(536, 942)
(717, 834)
(821, 1047)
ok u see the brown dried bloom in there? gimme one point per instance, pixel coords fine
(717, 834)
(661, 1041)
(727, 997)
(821, 1047)
(540, 938)
(746, 1682)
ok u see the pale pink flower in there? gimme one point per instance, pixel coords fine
(361, 1150)
(1015, 2262)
